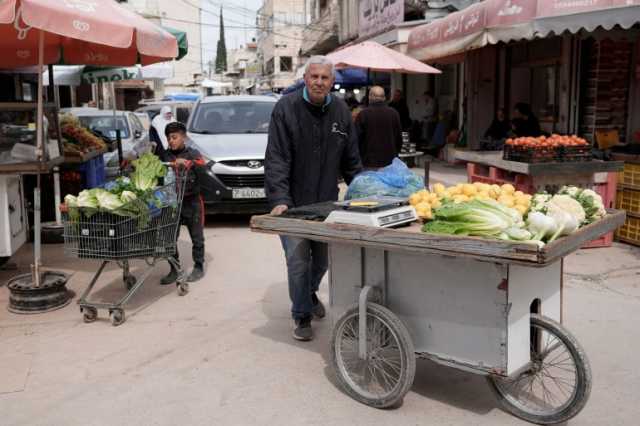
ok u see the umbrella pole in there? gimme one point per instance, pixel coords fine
(56, 120)
(35, 269)
(115, 126)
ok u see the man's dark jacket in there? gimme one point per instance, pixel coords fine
(309, 148)
(380, 134)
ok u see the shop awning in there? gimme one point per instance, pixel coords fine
(494, 21)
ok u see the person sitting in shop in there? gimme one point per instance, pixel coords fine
(525, 123)
(500, 127)
(192, 213)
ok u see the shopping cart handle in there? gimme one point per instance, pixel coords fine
(187, 164)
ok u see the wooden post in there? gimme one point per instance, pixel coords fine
(427, 166)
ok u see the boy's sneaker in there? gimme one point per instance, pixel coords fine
(318, 308)
(303, 331)
(170, 278)
(197, 274)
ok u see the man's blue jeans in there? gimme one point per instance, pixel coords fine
(307, 262)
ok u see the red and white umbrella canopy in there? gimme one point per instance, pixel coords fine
(79, 32)
(376, 57)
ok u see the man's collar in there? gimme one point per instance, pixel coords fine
(305, 95)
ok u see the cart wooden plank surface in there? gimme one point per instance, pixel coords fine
(412, 239)
(30, 168)
(494, 159)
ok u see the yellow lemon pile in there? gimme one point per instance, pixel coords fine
(425, 202)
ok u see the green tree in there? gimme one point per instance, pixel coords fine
(221, 53)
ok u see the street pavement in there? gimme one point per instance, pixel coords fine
(224, 355)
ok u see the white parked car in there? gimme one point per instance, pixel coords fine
(232, 133)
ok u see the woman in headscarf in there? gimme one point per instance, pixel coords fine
(158, 125)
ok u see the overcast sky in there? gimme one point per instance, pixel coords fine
(239, 22)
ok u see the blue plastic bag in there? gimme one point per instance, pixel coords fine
(395, 180)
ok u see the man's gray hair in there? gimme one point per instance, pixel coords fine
(319, 60)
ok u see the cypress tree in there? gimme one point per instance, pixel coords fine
(221, 53)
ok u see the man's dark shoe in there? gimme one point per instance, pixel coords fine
(318, 308)
(196, 275)
(303, 331)
(170, 278)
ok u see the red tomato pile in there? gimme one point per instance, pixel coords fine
(544, 142)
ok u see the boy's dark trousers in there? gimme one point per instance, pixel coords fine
(192, 217)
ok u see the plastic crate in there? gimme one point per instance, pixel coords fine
(629, 200)
(631, 175)
(93, 173)
(607, 190)
(566, 154)
(630, 231)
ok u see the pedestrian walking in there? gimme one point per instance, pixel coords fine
(312, 141)
(158, 127)
(192, 214)
(379, 130)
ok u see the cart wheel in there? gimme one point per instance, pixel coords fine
(383, 379)
(129, 281)
(117, 317)
(183, 288)
(557, 386)
(89, 314)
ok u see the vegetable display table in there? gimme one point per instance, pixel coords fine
(485, 306)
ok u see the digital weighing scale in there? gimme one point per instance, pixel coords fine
(379, 212)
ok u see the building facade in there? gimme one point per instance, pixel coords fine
(244, 68)
(321, 35)
(280, 24)
(180, 16)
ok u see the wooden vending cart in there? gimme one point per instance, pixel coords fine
(485, 306)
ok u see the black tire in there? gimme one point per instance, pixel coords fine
(183, 288)
(117, 317)
(394, 329)
(579, 395)
(89, 314)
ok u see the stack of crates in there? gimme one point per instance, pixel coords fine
(628, 199)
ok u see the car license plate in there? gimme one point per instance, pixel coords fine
(249, 193)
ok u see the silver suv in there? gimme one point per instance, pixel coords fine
(232, 132)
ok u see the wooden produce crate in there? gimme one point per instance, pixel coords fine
(630, 231)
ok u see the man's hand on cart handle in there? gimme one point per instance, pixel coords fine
(279, 210)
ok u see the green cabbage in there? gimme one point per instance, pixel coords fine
(148, 168)
(128, 196)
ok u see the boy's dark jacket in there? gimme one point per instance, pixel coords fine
(192, 188)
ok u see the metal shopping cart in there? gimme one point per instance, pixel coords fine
(120, 239)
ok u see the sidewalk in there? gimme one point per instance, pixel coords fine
(223, 354)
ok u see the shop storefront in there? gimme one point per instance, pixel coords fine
(576, 82)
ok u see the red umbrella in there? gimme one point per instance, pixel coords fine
(79, 32)
(75, 32)
(373, 56)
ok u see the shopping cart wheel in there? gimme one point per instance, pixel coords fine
(129, 281)
(557, 384)
(183, 288)
(89, 314)
(117, 317)
(383, 378)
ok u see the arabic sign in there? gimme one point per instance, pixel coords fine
(467, 21)
(566, 7)
(504, 13)
(379, 15)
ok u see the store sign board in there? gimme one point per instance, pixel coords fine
(111, 75)
(504, 13)
(379, 15)
(467, 21)
(549, 8)
(626, 2)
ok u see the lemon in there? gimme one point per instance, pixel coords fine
(436, 204)
(521, 209)
(469, 189)
(415, 199)
(508, 188)
(439, 188)
(507, 200)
